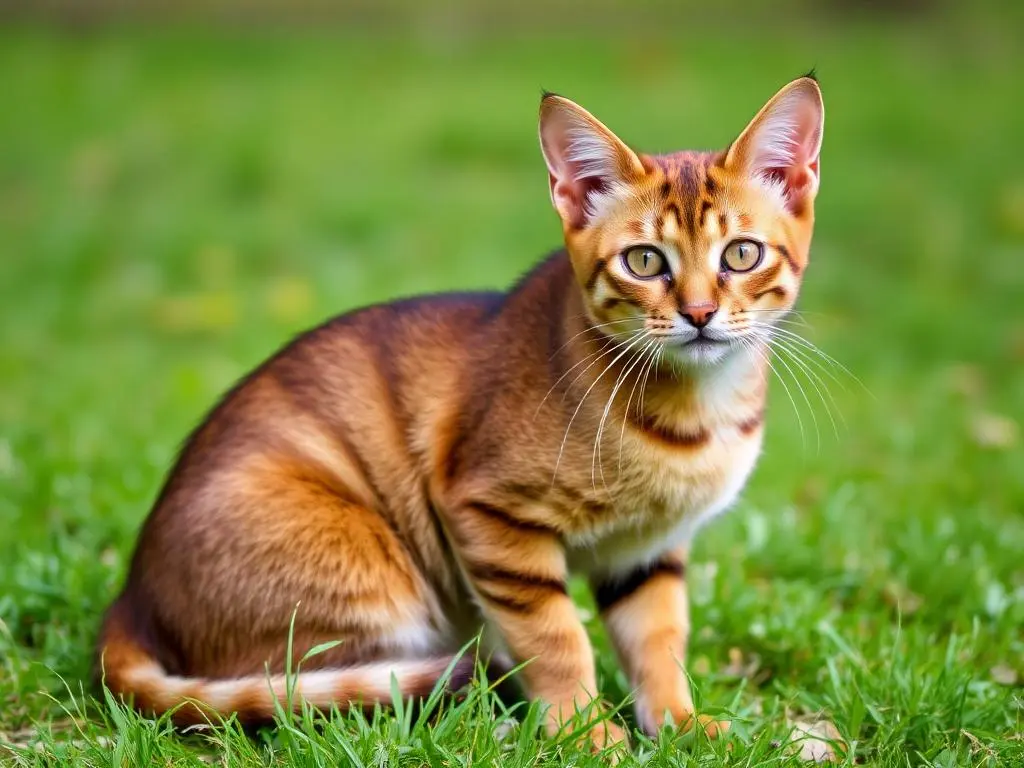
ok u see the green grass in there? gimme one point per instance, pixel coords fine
(175, 206)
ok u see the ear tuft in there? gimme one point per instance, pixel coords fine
(587, 163)
(782, 145)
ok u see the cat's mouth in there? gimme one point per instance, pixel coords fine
(702, 349)
(703, 341)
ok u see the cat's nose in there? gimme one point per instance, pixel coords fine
(699, 315)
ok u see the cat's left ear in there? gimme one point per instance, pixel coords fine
(587, 163)
(782, 144)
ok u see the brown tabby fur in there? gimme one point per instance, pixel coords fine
(411, 472)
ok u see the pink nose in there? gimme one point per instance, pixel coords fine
(699, 315)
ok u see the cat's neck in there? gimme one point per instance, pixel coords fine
(664, 393)
(722, 393)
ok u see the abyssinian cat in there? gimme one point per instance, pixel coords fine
(410, 473)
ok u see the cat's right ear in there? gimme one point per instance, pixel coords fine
(587, 163)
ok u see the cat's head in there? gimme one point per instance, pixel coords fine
(702, 250)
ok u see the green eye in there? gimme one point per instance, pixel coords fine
(644, 261)
(741, 255)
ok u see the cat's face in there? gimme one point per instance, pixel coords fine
(699, 252)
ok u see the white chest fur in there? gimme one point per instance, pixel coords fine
(664, 493)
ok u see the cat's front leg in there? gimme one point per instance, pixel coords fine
(647, 615)
(517, 571)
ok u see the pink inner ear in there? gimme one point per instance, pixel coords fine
(799, 177)
(798, 174)
(797, 180)
(572, 195)
(781, 146)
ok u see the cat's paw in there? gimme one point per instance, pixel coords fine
(608, 738)
(713, 729)
(602, 736)
(685, 721)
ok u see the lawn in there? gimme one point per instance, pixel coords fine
(175, 205)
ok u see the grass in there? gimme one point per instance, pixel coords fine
(176, 205)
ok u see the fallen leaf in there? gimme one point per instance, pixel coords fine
(1004, 674)
(899, 596)
(993, 430)
(505, 730)
(701, 666)
(740, 667)
(816, 741)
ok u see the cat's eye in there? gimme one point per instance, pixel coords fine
(645, 262)
(742, 255)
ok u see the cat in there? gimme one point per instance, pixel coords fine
(411, 474)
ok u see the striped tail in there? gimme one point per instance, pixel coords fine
(132, 673)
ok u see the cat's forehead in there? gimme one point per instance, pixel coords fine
(685, 175)
(679, 198)
(693, 199)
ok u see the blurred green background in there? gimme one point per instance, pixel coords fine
(185, 187)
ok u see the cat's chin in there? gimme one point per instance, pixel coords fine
(701, 353)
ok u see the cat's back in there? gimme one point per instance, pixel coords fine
(345, 400)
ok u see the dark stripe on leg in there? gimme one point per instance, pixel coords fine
(513, 591)
(506, 518)
(492, 572)
(611, 591)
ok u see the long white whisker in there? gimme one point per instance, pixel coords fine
(803, 393)
(596, 450)
(813, 366)
(596, 454)
(797, 321)
(610, 343)
(645, 371)
(767, 360)
(818, 351)
(616, 346)
(587, 330)
(812, 376)
(810, 356)
(561, 449)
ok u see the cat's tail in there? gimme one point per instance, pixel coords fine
(129, 671)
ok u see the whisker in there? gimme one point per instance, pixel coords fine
(813, 368)
(645, 371)
(636, 334)
(610, 344)
(561, 449)
(587, 330)
(811, 347)
(798, 322)
(767, 360)
(812, 376)
(803, 393)
(796, 312)
(595, 458)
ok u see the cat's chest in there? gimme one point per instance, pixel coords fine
(661, 495)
